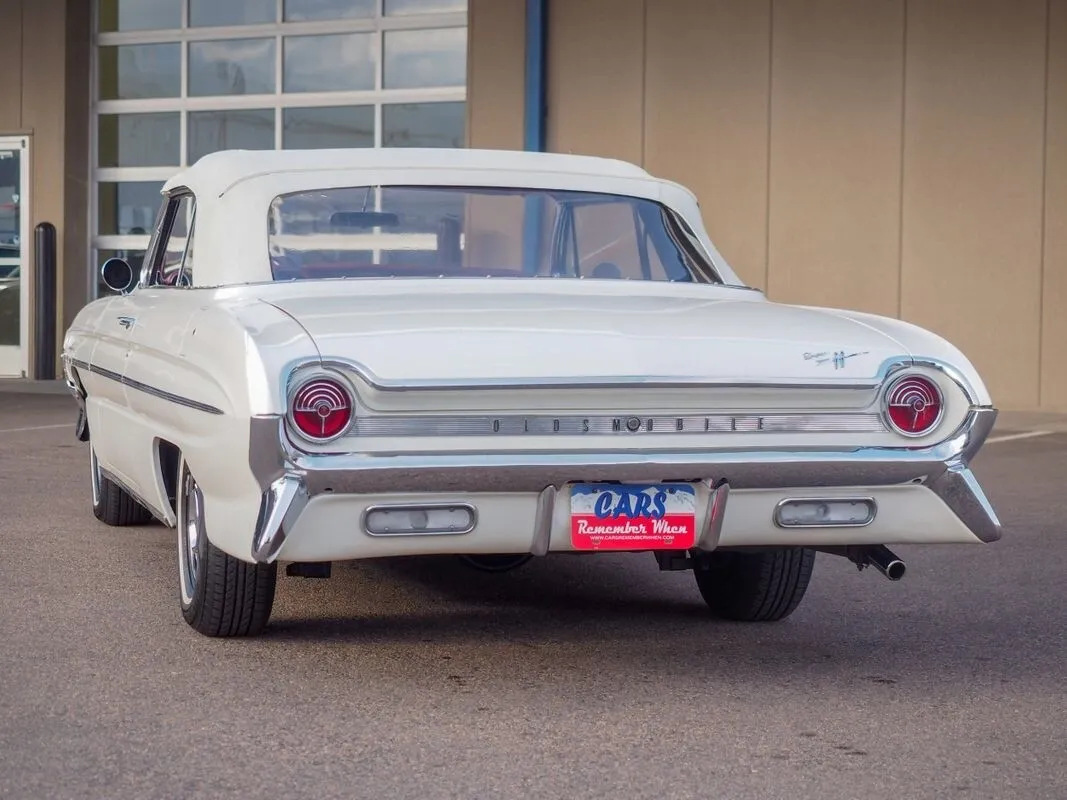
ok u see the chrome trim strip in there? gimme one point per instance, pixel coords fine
(146, 388)
(94, 476)
(605, 382)
(419, 507)
(71, 379)
(626, 425)
(888, 367)
(279, 508)
(531, 472)
(977, 428)
(542, 534)
(936, 364)
(868, 500)
(711, 531)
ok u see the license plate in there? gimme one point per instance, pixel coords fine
(633, 516)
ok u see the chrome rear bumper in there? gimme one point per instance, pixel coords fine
(289, 479)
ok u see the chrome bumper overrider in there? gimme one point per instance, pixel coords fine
(289, 479)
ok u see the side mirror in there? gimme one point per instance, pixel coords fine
(118, 275)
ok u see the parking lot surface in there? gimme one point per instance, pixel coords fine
(595, 677)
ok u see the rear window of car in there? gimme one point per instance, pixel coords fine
(416, 231)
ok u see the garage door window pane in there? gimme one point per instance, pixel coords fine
(417, 59)
(140, 70)
(302, 10)
(234, 66)
(333, 63)
(400, 7)
(246, 129)
(423, 125)
(205, 13)
(128, 209)
(139, 15)
(309, 128)
(139, 140)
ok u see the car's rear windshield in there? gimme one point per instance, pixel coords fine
(444, 231)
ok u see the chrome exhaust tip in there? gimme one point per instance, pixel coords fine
(885, 561)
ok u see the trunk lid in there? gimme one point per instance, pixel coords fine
(415, 332)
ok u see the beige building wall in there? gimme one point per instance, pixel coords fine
(44, 94)
(1054, 272)
(496, 32)
(904, 157)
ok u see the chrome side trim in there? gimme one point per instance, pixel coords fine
(146, 388)
(94, 476)
(546, 507)
(625, 425)
(279, 508)
(712, 528)
(71, 379)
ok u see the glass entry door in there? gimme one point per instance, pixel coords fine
(14, 255)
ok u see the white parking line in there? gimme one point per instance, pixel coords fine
(1011, 437)
(34, 428)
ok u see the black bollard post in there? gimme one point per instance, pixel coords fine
(45, 318)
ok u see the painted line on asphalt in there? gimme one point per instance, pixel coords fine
(1011, 437)
(34, 428)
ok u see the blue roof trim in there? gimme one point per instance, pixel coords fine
(534, 110)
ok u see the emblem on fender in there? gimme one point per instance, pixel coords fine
(837, 358)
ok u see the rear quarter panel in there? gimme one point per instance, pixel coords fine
(921, 343)
(228, 362)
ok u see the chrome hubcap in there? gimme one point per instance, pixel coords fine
(191, 535)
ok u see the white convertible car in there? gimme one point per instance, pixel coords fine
(349, 354)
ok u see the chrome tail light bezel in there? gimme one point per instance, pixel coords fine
(299, 383)
(887, 393)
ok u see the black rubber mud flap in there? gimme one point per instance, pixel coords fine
(81, 427)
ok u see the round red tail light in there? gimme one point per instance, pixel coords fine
(913, 405)
(322, 409)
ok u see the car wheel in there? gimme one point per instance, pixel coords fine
(112, 504)
(754, 587)
(220, 595)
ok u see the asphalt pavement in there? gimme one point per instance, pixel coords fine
(592, 677)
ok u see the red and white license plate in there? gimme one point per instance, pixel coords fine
(633, 516)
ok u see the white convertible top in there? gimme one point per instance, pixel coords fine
(216, 173)
(234, 190)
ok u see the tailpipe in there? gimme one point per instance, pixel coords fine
(882, 558)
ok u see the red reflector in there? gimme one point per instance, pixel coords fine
(322, 409)
(914, 405)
